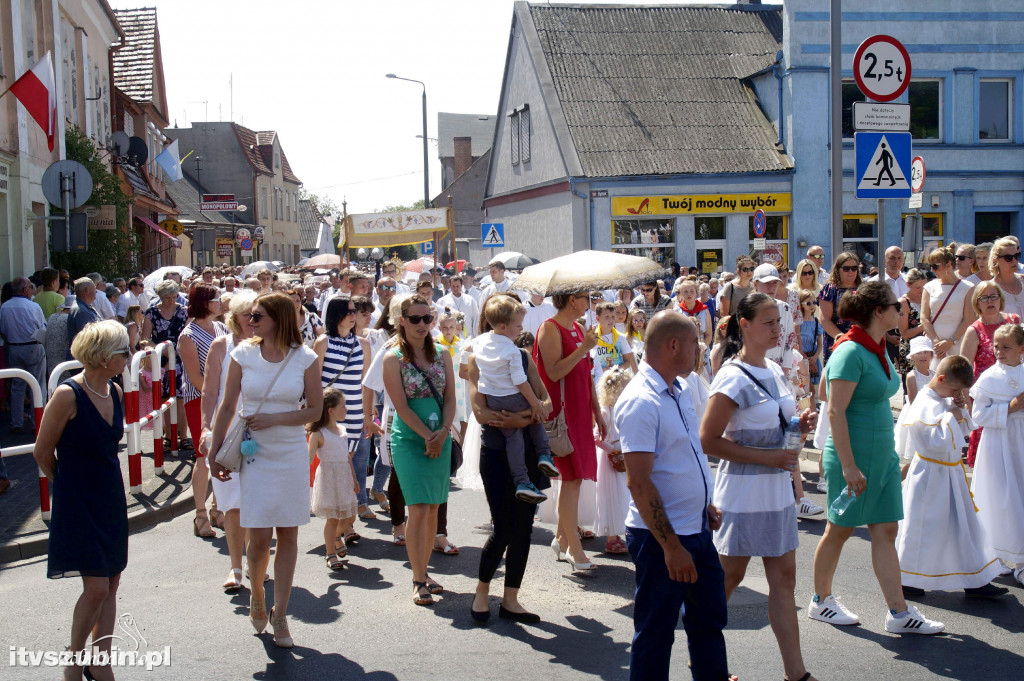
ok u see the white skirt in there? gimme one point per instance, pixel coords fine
(611, 499)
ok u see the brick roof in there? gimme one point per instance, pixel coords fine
(662, 89)
(258, 147)
(135, 62)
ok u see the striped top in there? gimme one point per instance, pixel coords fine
(345, 356)
(202, 340)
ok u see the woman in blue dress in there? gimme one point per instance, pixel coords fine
(77, 449)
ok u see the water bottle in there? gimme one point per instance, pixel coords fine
(842, 502)
(433, 421)
(793, 435)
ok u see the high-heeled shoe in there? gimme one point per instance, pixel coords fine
(258, 623)
(557, 548)
(282, 637)
(580, 567)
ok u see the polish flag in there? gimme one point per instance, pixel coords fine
(37, 92)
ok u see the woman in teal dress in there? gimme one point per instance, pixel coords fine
(420, 381)
(860, 455)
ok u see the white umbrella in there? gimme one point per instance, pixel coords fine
(252, 268)
(513, 260)
(588, 271)
(157, 275)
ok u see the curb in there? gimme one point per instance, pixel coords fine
(142, 519)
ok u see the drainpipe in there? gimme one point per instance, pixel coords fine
(590, 208)
(778, 77)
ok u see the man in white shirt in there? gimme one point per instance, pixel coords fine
(470, 287)
(23, 328)
(499, 284)
(766, 280)
(230, 283)
(459, 301)
(129, 298)
(384, 292)
(817, 254)
(339, 286)
(538, 311)
(893, 275)
(671, 517)
(390, 270)
(104, 308)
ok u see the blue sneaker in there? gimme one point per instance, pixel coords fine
(547, 465)
(529, 493)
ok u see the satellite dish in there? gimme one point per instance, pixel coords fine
(138, 151)
(77, 179)
(119, 141)
(242, 208)
(377, 253)
(362, 253)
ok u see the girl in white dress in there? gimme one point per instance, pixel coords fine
(335, 486)
(998, 484)
(920, 355)
(612, 494)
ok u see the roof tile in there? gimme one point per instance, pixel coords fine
(134, 64)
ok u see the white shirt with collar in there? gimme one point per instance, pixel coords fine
(652, 416)
(20, 318)
(126, 300)
(328, 293)
(500, 364)
(475, 292)
(465, 305)
(537, 315)
(495, 287)
(898, 285)
(104, 308)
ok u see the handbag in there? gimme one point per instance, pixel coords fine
(783, 422)
(229, 454)
(558, 430)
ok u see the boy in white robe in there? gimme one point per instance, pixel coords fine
(940, 542)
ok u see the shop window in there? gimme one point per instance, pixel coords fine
(932, 227)
(925, 98)
(708, 227)
(860, 236)
(654, 239)
(851, 94)
(994, 111)
(777, 235)
(992, 226)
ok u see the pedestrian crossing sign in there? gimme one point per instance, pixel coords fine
(492, 235)
(883, 164)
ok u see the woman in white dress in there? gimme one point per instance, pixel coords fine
(1002, 263)
(946, 309)
(227, 493)
(275, 482)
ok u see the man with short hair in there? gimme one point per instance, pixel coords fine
(129, 298)
(207, 275)
(428, 278)
(49, 299)
(338, 287)
(894, 276)
(459, 301)
(82, 312)
(537, 312)
(817, 255)
(390, 269)
(102, 306)
(23, 328)
(470, 287)
(229, 282)
(671, 517)
(121, 284)
(359, 285)
(499, 284)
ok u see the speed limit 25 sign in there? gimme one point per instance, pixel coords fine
(881, 67)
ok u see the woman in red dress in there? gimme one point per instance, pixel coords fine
(988, 301)
(562, 353)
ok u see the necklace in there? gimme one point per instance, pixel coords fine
(95, 392)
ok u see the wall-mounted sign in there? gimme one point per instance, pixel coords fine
(5, 174)
(701, 203)
(172, 227)
(258, 233)
(225, 248)
(101, 217)
(218, 202)
(241, 234)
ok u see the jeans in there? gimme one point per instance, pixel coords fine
(359, 459)
(380, 475)
(31, 358)
(659, 600)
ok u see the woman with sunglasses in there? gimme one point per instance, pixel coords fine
(739, 288)
(845, 276)
(77, 449)
(988, 301)
(310, 324)
(344, 356)
(946, 310)
(1004, 264)
(274, 482)
(193, 348)
(420, 380)
(650, 299)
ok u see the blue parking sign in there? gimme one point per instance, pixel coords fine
(883, 165)
(428, 248)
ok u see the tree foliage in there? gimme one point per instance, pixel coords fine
(111, 252)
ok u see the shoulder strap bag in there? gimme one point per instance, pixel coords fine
(946, 300)
(783, 423)
(457, 456)
(229, 454)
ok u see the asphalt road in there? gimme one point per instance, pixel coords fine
(361, 623)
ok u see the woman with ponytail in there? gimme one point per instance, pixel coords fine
(946, 311)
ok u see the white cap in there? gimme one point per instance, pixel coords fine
(766, 272)
(920, 343)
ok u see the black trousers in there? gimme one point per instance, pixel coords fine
(512, 521)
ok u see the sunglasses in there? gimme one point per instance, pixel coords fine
(961, 258)
(992, 298)
(746, 269)
(896, 306)
(215, 300)
(419, 318)
(647, 290)
(936, 265)
(850, 268)
(124, 351)
(348, 313)
(255, 317)
(807, 273)
(387, 288)
(1010, 257)
(818, 257)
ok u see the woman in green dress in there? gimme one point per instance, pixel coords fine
(860, 380)
(420, 381)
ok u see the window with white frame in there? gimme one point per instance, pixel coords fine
(519, 126)
(925, 99)
(994, 109)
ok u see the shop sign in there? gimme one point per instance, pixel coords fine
(101, 217)
(773, 254)
(701, 203)
(225, 248)
(5, 174)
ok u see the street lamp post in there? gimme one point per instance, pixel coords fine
(426, 162)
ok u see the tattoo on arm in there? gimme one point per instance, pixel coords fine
(661, 527)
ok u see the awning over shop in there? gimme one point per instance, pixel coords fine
(157, 228)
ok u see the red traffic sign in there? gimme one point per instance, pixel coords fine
(246, 244)
(881, 67)
(916, 174)
(760, 224)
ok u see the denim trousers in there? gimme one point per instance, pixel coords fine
(359, 459)
(659, 600)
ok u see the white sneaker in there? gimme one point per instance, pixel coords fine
(912, 623)
(822, 484)
(807, 509)
(1018, 575)
(830, 610)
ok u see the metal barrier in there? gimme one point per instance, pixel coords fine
(37, 404)
(135, 420)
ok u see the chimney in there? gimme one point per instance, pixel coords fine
(463, 154)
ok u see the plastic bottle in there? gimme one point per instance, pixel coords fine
(842, 502)
(433, 421)
(793, 435)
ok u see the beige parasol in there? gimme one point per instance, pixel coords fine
(588, 271)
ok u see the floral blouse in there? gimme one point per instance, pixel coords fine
(415, 385)
(832, 294)
(167, 329)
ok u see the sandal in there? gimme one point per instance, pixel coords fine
(382, 501)
(585, 534)
(234, 581)
(343, 551)
(398, 539)
(185, 443)
(421, 598)
(201, 527)
(436, 589)
(217, 518)
(352, 538)
(449, 549)
(367, 514)
(615, 545)
(335, 562)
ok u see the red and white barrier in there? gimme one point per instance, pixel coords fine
(37, 405)
(134, 421)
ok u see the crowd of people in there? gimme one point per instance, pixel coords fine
(596, 411)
